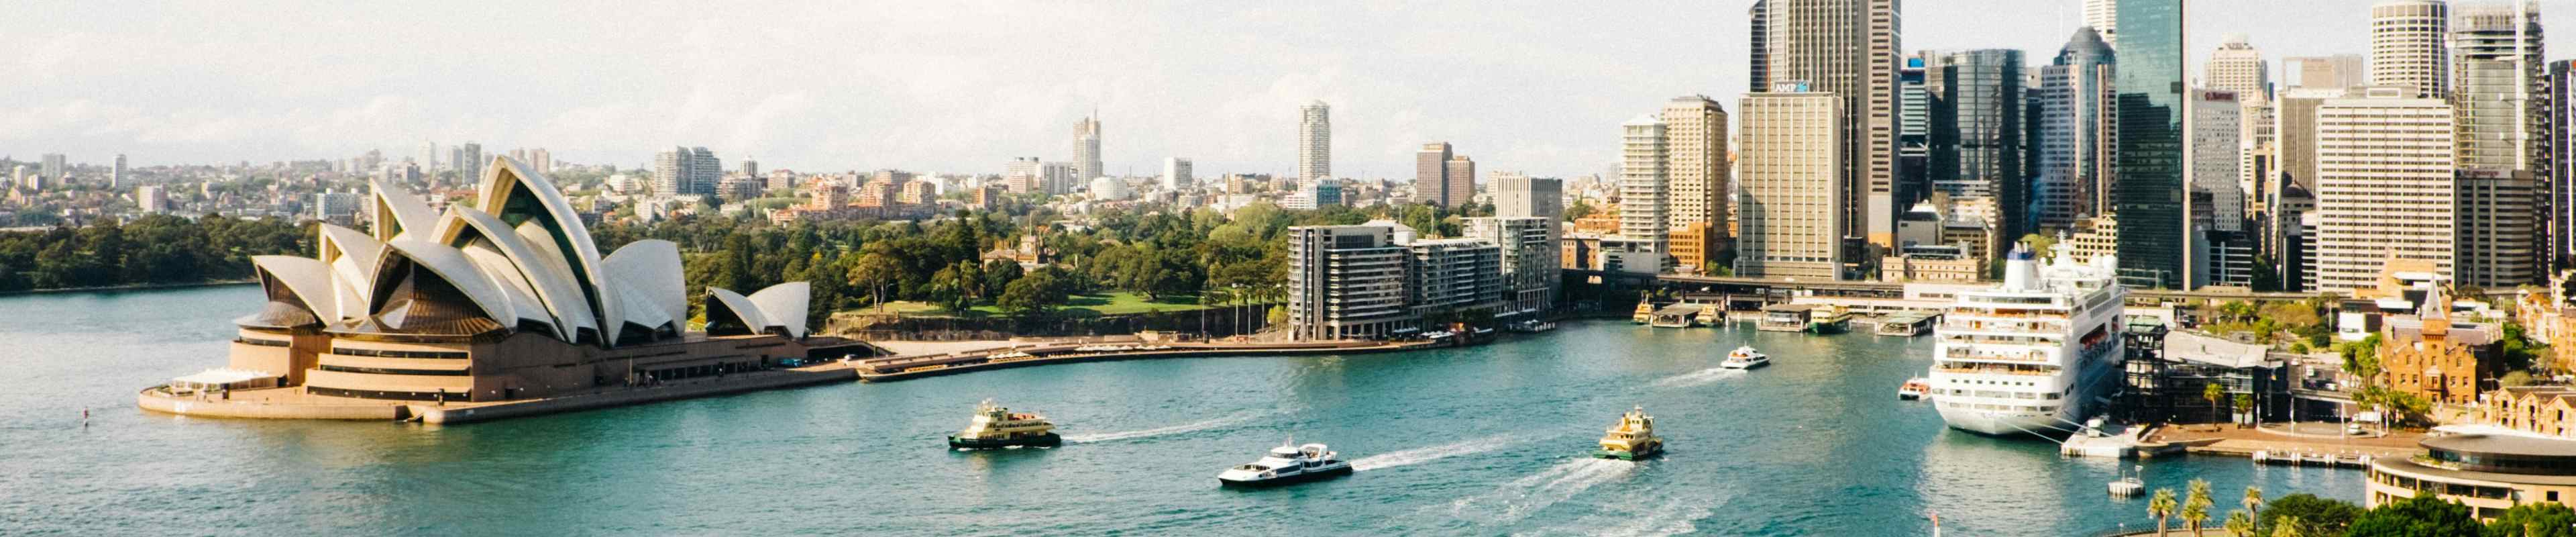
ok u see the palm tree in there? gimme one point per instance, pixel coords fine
(2213, 391)
(2240, 524)
(2254, 498)
(2161, 507)
(2195, 506)
(2287, 526)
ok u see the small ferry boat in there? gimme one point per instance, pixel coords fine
(1745, 358)
(1645, 312)
(1287, 464)
(1914, 388)
(1632, 438)
(995, 427)
(1710, 315)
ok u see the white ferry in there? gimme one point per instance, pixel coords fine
(2032, 354)
(1745, 358)
(1287, 464)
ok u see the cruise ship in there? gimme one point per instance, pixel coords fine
(2032, 354)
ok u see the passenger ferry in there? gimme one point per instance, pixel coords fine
(1709, 315)
(2034, 353)
(1632, 438)
(1645, 312)
(1745, 358)
(1827, 320)
(994, 427)
(1285, 465)
(1914, 388)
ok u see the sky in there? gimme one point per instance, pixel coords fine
(952, 87)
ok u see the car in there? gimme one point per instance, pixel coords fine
(2353, 429)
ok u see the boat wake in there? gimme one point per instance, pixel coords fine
(1698, 378)
(1651, 512)
(1228, 421)
(1433, 453)
(1514, 501)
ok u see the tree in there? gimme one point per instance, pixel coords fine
(2540, 519)
(2161, 507)
(2514, 378)
(2418, 516)
(875, 271)
(2239, 524)
(1033, 296)
(2307, 514)
(2245, 406)
(2195, 506)
(2289, 527)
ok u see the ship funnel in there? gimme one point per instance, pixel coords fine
(2021, 272)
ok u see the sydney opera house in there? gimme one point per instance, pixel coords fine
(503, 298)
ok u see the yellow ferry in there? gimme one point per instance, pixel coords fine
(995, 427)
(1632, 438)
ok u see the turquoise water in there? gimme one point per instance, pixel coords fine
(1478, 441)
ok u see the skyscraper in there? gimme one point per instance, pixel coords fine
(467, 160)
(1695, 147)
(1846, 48)
(1432, 182)
(2498, 78)
(2075, 120)
(2238, 68)
(2147, 196)
(751, 167)
(1086, 148)
(56, 165)
(2407, 45)
(1521, 196)
(1645, 182)
(1913, 127)
(1176, 174)
(429, 156)
(1977, 135)
(1460, 174)
(1760, 62)
(2562, 156)
(2216, 131)
(2384, 149)
(2103, 16)
(116, 175)
(1793, 222)
(1314, 141)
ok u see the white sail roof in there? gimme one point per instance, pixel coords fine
(650, 271)
(352, 256)
(544, 274)
(449, 264)
(398, 212)
(785, 305)
(743, 310)
(308, 278)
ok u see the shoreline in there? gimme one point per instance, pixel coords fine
(129, 287)
(896, 368)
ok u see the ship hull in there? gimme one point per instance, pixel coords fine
(1300, 477)
(1649, 452)
(1045, 440)
(1992, 423)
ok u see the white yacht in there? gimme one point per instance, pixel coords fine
(2032, 354)
(1287, 464)
(1745, 358)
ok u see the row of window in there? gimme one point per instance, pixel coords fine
(2446, 489)
(454, 355)
(2005, 408)
(393, 371)
(390, 395)
(262, 342)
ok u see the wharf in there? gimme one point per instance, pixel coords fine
(2278, 447)
(896, 368)
(295, 403)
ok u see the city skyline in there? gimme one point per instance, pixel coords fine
(895, 101)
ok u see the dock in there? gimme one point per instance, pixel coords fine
(896, 368)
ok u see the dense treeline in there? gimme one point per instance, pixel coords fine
(1167, 257)
(157, 249)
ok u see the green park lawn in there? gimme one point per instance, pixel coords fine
(1115, 303)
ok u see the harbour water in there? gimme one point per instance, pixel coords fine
(1477, 441)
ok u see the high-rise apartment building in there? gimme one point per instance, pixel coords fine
(1086, 150)
(1346, 282)
(2384, 150)
(1850, 49)
(1176, 174)
(1695, 150)
(2409, 45)
(2336, 72)
(1442, 177)
(1645, 182)
(1024, 175)
(2103, 16)
(116, 174)
(429, 156)
(467, 161)
(1521, 196)
(151, 200)
(2562, 156)
(1788, 177)
(749, 167)
(2148, 196)
(1314, 141)
(2075, 136)
(1977, 131)
(55, 165)
(2237, 67)
(686, 171)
